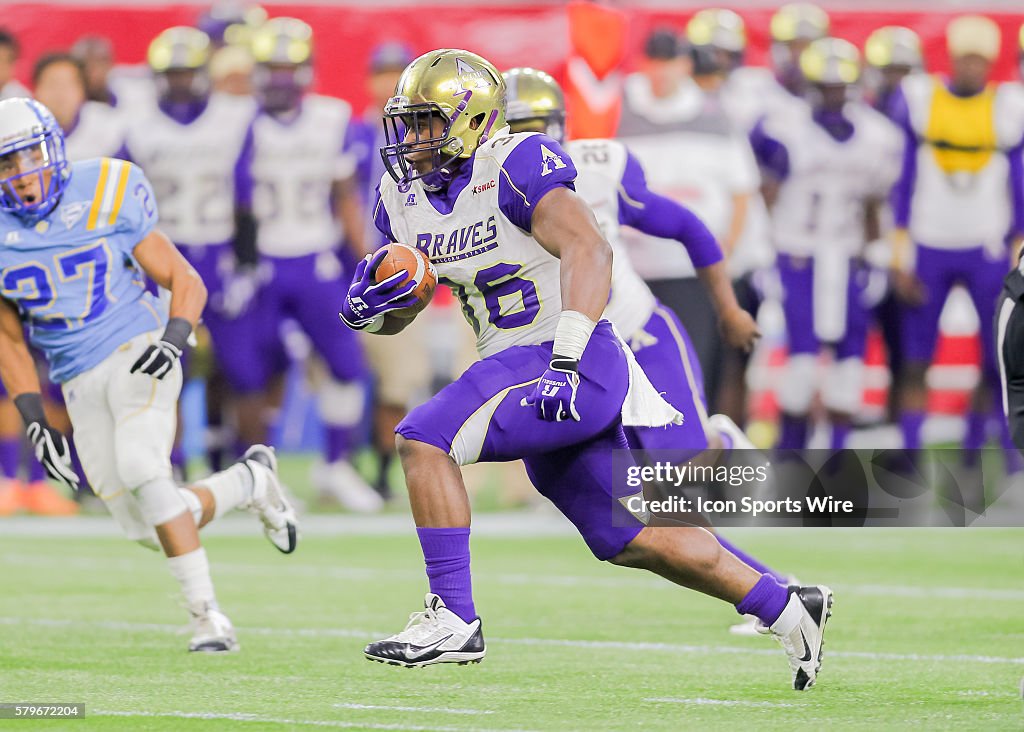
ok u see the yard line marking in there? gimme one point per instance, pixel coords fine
(438, 710)
(245, 717)
(642, 646)
(719, 702)
(639, 582)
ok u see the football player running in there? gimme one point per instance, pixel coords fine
(78, 241)
(611, 181)
(306, 202)
(497, 215)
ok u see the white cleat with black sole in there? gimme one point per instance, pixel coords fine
(269, 502)
(436, 635)
(212, 632)
(800, 630)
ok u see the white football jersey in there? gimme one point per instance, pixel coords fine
(192, 167)
(821, 202)
(954, 207)
(295, 164)
(100, 133)
(600, 165)
(508, 284)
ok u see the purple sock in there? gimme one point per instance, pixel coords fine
(36, 472)
(977, 422)
(339, 442)
(910, 426)
(10, 454)
(794, 432)
(446, 552)
(766, 600)
(840, 434)
(749, 560)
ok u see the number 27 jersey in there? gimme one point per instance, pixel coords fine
(477, 235)
(72, 274)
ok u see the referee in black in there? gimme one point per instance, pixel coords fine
(1010, 350)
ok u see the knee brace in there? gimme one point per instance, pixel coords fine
(192, 503)
(341, 403)
(798, 387)
(842, 389)
(160, 501)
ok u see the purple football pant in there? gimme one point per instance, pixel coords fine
(939, 270)
(309, 290)
(797, 277)
(235, 341)
(664, 351)
(480, 418)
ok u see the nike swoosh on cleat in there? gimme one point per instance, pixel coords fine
(422, 651)
(807, 649)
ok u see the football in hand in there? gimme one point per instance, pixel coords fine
(402, 257)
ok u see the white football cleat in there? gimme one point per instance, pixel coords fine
(269, 502)
(340, 481)
(800, 631)
(212, 632)
(436, 635)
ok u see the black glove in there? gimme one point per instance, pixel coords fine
(159, 358)
(51, 447)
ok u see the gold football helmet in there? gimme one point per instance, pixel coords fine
(535, 102)
(180, 48)
(830, 62)
(893, 45)
(285, 41)
(799, 22)
(718, 28)
(464, 91)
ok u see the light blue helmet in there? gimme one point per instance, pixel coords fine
(31, 144)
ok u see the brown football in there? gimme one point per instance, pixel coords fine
(402, 257)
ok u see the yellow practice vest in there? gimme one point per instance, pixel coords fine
(961, 130)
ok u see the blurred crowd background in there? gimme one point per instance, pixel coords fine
(143, 82)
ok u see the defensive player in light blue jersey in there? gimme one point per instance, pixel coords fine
(75, 244)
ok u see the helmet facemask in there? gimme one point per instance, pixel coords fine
(33, 174)
(280, 87)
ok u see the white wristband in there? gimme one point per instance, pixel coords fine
(572, 334)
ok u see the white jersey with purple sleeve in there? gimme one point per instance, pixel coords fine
(198, 169)
(477, 234)
(295, 164)
(825, 181)
(98, 132)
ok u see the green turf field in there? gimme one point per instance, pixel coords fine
(928, 631)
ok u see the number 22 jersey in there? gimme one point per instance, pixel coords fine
(477, 234)
(72, 273)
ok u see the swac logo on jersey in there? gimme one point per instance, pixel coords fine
(411, 200)
(549, 161)
(484, 187)
(71, 213)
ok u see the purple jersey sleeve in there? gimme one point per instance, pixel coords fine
(771, 155)
(381, 219)
(536, 166)
(1016, 158)
(243, 170)
(654, 214)
(903, 191)
(359, 139)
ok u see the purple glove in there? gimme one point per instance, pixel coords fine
(367, 300)
(555, 393)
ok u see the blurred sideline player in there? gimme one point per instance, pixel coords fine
(828, 161)
(196, 148)
(10, 49)
(307, 203)
(892, 53)
(395, 385)
(78, 240)
(692, 153)
(718, 42)
(611, 181)
(497, 215)
(958, 201)
(96, 54)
